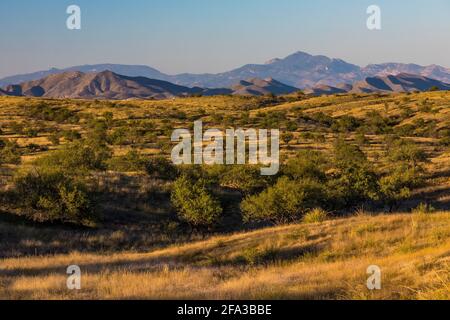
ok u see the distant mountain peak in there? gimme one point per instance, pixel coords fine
(110, 85)
(300, 70)
(259, 87)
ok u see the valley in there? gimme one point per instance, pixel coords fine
(133, 238)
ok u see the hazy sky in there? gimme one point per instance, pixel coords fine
(178, 36)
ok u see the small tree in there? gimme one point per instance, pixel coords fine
(355, 179)
(194, 203)
(50, 195)
(434, 88)
(306, 164)
(245, 178)
(284, 202)
(76, 157)
(161, 168)
(54, 139)
(397, 185)
(407, 153)
(9, 152)
(287, 137)
(404, 173)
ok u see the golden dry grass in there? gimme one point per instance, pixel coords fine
(316, 261)
(308, 261)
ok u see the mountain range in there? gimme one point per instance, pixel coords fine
(299, 70)
(402, 82)
(110, 85)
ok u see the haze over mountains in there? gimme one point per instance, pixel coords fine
(109, 85)
(314, 74)
(300, 70)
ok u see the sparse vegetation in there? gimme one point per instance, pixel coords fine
(105, 165)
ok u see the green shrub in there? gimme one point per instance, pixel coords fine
(9, 152)
(132, 161)
(407, 153)
(255, 256)
(16, 127)
(424, 208)
(245, 178)
(76, 157)
(284, 202)
(354, 179)
(71, 135)
(306, 164)
(397, 185)
(53, 196)
(321, 118)
(194, 203)
(361, 139)
(161, 168)
(287, 137)
(346, 124)
(445, 141)
(54, 139)
(51, 113)
(315, 215)
(377, 124)
(291, 126)
(31, 132)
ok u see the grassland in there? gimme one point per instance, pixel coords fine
(307, 261)
(140, 249)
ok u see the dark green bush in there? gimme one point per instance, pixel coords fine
(51, 113)
(306, 165)
(130, 162)
(76, 157)
(346, 124)
(355, 179)
(161, 168)
(284, 202)
(245, 178)
(9, 152)
(54, 196)
(398, 183)
(194, 203)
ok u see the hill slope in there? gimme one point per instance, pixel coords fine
(128, 70)
(299, 70)
(398, 83)
(307, 261)
(259, 87)
(109, 85)
(106, 85)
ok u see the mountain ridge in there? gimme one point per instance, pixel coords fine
(110, 85)
(300, 70)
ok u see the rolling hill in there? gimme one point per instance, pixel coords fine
(106, 85)
(110, 85)
(259, 87)
(318, 261)
(399, 83)
(301, 70)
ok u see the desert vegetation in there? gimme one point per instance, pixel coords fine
(364, 180)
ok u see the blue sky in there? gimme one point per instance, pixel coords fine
(178, 36)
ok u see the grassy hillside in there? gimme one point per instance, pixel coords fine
(305, 261)
(138, 245)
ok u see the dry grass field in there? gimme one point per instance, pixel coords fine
(139, 249)
(325, 260)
